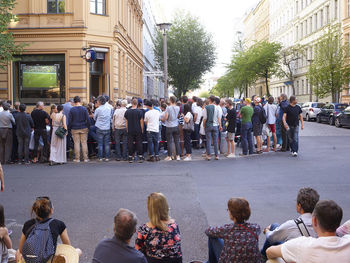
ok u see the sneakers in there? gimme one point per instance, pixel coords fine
(141, 159)
(178, 158)
(86, 160)
(168, 159)
(188, 158)
(100, 160)
(130, 159)
(231, 155)
(76, 160)
(294, 154)
(106, 160)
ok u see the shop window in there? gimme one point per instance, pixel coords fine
(55, 6)
(39, 78)
(98, 7)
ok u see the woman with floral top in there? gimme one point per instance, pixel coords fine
(159, 239)
(237, 242)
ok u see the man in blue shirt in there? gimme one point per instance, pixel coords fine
(103, 117)
(117, 249)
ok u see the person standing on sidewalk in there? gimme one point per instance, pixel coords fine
(212, 125)
(6, 124)
(271, 113)
(78, 124)
(231, 129)
(120, 134)
(246, 127)
(103, 117)
(283, 105)
(291, 117)
(24, 128)
(152, 117)
(188, 128)
(257, 125)
(134, 127)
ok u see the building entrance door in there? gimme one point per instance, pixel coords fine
(97, 76)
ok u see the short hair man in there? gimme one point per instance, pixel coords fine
(120, 133)
(257, 125)
(277, 234)
(7, 123)
(117, 249)
(271, 112)
(327, 247)
(282, 107)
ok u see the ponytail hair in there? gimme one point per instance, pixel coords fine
(42, 207)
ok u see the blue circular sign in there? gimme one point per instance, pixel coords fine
(90, 55)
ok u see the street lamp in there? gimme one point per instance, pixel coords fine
(165, 27)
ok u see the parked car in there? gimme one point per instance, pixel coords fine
(343, 118)
(329, 112)
(311, 109)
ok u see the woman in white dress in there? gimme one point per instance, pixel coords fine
(58, 146)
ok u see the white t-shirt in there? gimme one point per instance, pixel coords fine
(270, 110)
(317, 250)
(152, 118)
(198, 111)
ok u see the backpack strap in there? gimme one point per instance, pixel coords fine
(302, 227)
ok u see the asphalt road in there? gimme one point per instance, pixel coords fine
(87, 196)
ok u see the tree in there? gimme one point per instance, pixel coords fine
(225, 86)
(8, 47)
(289, 56)
(191, 53)
(264, 59)
(204, 94)
(330, 69)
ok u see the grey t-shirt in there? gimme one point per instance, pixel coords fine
(173, 113)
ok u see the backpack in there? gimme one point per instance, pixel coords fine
(262, 115)
(39, 247)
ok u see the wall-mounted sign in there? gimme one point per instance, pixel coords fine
(90, 55)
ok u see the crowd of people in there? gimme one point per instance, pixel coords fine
(134, 128)
(314, 237)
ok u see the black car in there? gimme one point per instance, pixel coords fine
(329, 112)
(343, 118)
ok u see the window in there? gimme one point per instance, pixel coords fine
(316, 21)
(327, 14)
(321, 14)
(297, 89)
(335, 9)
(297, 7)
(98, 7)
(348, 8)
(297, 33)
(55, 6)
(302, 87)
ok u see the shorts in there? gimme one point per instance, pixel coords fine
(257, 129)
(230, 136)
(272, 128)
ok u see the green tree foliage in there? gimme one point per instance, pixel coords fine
(288, 58)
(8, 47)
(330, 69)
(225, 86)
(204, 94)
(191, 53)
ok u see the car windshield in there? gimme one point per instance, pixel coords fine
(341, 106)
(317, 105)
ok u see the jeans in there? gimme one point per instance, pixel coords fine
(103, 138)
(188, 141)
(246, 138)
(196, 136)
(210, 132)
(279, 132)
(43, 134)
(215, 246)
(267, 243)
(80, 137)
(153, 144)
(5, 144)
(293, 137)
(120, 135)
(23, 147)
(285, 142)
(163, 136)
(137, 138)
(173, 133)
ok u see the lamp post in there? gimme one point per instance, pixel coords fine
(310, 62)
(164, 27)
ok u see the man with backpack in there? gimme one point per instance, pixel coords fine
(258, 120)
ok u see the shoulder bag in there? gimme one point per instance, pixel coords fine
(61, 131)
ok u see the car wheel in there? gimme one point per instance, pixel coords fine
(337, 123)
(331, 121)
(318, 119)
(307, 117)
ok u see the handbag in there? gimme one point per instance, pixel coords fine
(188, 125)
(61, 131)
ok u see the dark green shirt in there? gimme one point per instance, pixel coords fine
(247, 113)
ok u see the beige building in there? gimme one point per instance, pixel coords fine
(58, 32)
(346, 31)
(257, 28)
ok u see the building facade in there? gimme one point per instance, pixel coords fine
(346, 33)
(58, 32)
(153, 86)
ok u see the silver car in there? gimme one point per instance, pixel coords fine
(311, 109)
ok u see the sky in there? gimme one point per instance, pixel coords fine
(222, 18)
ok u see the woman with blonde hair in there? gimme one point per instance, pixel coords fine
(159, 239)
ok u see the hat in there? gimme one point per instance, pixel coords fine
(248, 100)
(69, 253)
(139, 101)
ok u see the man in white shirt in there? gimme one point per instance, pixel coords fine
(277, 234)
(271, 113)
(152, 118)
(198, 112)
(326, 248)
(119, 130)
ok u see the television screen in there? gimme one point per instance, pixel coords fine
(39, 77)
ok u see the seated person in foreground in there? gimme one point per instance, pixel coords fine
(344, 229)
(326, 248)
(237, 242)
(277, 234)
(117, 249)
(159, 239)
